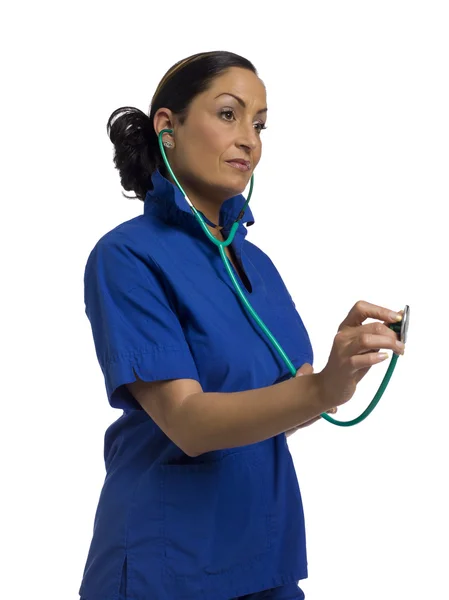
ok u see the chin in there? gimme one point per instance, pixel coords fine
(230, 192)
(236, 184)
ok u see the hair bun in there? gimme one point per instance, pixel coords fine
(129, 126)
(137, 154)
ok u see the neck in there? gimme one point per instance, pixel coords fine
(203, 202)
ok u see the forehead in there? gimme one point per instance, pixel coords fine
(241, 82)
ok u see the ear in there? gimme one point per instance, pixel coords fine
(163, 119)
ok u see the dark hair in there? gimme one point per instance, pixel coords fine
(137, 153)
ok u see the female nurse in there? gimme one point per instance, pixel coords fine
(201, 499)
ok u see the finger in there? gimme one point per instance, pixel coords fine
(380, 329)
(370, 341)
(365, 310)
(401, 312)
(292, 431)
(364, 361)
(377, 329)
(307, 423)
(305, 369)
(332, 411)
(314, 420)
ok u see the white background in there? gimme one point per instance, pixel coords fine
(350, 202)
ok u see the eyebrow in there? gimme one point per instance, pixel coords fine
(241, 102)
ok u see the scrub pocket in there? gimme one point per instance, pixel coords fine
(216, 516)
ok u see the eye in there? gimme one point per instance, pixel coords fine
(227, 111)
(230, 112)
(260, 126)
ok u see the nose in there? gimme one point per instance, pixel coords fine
(248, 138)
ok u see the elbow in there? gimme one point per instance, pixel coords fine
(185, 431)
(184, 442)
(192, 453)
(190, 450)
(192, 445)
(194, 448)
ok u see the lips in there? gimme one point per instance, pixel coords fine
(239, 163)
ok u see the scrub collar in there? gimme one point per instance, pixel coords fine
(166, 201)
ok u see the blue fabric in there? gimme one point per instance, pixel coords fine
(160, 303)
(285, 592)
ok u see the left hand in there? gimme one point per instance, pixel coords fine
(307, 369)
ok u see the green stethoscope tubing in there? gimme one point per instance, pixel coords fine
(222, 245)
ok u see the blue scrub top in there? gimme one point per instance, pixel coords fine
(161, 304)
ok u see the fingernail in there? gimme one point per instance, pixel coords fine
(396, 316)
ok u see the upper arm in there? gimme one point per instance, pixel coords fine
(137, 333)
(162, 400)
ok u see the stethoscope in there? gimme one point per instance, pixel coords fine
(401, 328)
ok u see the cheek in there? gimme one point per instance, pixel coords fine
(206, 139)
(208, 148)
(257, 154)
(217, 140)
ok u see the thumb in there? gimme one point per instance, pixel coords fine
(305, 369)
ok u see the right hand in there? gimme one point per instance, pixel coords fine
(355, 351)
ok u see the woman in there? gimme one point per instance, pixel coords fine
(201, 499)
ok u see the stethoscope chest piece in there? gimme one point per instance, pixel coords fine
(405, 322)
(401, 328)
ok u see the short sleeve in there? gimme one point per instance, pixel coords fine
(134, 326)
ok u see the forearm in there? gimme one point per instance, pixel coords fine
(212, 421)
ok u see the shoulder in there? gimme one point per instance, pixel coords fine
(124, 250)
(134, 231)
(136, 237)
